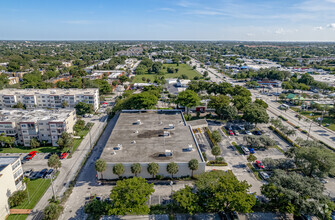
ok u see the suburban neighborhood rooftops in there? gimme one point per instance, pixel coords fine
(151, 136)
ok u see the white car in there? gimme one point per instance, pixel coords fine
(248, 132)
(264, 175)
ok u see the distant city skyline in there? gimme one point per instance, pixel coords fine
(240, 20)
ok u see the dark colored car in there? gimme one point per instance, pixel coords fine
(233, 215)
(48, 174)
(28, 173)
(223, 215)
(257, 132)
(48, 156)
(42, 173)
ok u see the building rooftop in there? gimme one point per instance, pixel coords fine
(140, 137)
(5, 161)
(87, 91)
(12, 115)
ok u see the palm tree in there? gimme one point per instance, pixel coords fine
(118, 169)
(100, 166)
(153, 169)
(172, 168)
(54, 162)
(216, 151)
(136, 168)
(193, 165)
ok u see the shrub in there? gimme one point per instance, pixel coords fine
(283, 136)
(52, 211)
(284, 119)
(209, 134)
(204, 156)
(304, 131)
(17, 198)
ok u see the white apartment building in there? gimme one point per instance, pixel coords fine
(49, 98)
(11, 176)
(44, 125)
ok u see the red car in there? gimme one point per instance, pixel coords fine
(231, 133)
(259, 164)
(31, 155)
(64, 155)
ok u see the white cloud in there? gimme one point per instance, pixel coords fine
(331, 26)
(318, 28)
(166, 9)
(204, 12)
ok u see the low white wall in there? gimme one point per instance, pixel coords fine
(183, 170)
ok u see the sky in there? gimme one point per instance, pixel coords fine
(241, 20)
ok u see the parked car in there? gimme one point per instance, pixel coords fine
(33, 175)
(31, 155)
(42, 173)
(28, 173)
(256, 132)
(252, 151)
(245, 150)
(259, 164)
(248, 132)
(49, 173)
(235, 132)
(264, 175)
(223, 215)
(233, 215)
(48, 156)
(64, 155)
(231, 133)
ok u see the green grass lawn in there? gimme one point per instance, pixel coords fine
(183, 69)
(22, 149)
(17, 217)
(76, 142)
(36, 189)
(326, 119)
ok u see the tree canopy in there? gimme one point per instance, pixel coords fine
(130, 196)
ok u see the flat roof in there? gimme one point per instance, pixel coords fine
(72, 91)
(34, 115)
(145, 142)
(4, 161)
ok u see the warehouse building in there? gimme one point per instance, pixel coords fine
(143, 137)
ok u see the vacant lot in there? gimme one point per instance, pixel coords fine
(183, 69)
(326, 118)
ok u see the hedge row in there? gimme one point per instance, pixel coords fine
(283, 136)
(213, 142)
(216, 163)
(285, 119)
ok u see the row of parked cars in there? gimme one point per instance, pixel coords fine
(32, 154)
(45, 173)
(238, 129)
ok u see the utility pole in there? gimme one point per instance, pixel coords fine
(310, 126)
(52, 186)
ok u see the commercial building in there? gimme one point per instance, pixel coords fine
(49, 98)
(143, 137)
(44, 125)
(11, 176)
